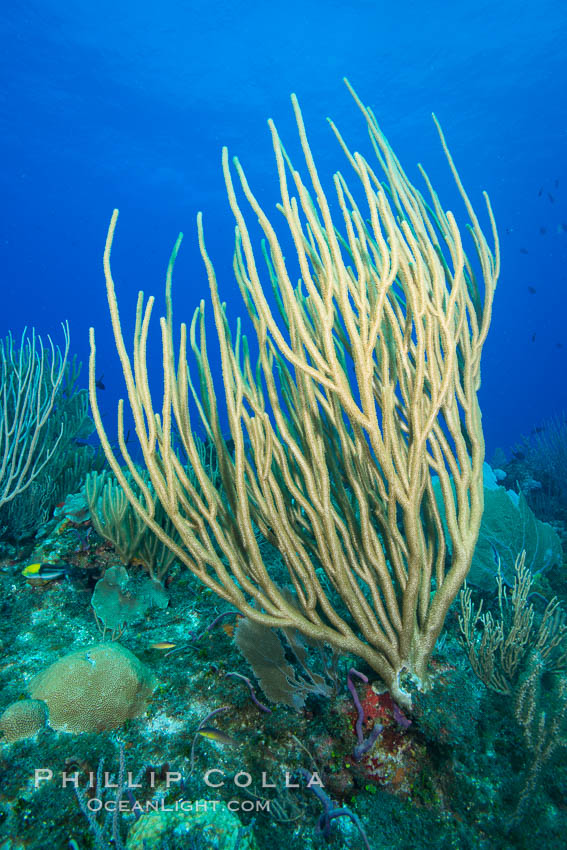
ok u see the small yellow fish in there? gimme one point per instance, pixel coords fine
(47, 572)
(163, 645)
(218, 736)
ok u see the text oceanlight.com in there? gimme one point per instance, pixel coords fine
(137, 807)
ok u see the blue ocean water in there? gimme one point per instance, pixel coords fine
(128, 104)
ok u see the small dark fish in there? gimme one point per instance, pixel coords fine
(533, 337)
(519, 455)
(537, 430)
(99, 384)
(540, 193)
(561, 228)
(543, 231)
(218, 736)
(556, 183)
(127, 439)
(523, 251)
(532, 290)
(559, 345)
(551, 198)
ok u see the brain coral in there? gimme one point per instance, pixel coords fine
(95, 688)
(22, 719)
(210, 826)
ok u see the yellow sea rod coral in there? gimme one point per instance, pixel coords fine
(362, 394)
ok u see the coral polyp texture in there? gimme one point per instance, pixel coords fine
(93, 689)
(22, 719)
